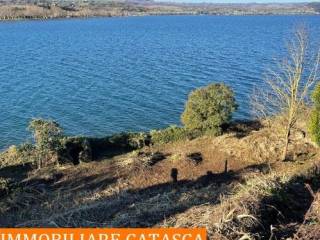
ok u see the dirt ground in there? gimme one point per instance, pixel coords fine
(234, 185)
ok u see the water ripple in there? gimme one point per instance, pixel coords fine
(100, 76)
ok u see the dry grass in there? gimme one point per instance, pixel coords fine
(310, 228)
(130, 190)
(238, 215)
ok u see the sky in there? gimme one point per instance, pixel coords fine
(243, 1)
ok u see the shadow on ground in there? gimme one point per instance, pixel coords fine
(16, 173)
(138, 207)
(243, 128)
(149, 206)
(286, 208)
(130, 208)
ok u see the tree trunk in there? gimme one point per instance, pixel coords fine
(286, 144)
(39, 163)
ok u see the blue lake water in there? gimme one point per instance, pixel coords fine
(105, 75)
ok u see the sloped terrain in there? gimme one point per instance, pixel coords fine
(234, 185)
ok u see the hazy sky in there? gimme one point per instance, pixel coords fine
(242, 1)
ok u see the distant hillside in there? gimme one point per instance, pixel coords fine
(42, 9)
(315, 6)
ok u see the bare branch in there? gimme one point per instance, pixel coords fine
(289, 84)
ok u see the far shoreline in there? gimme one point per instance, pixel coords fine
(15, 10)
(2, 20)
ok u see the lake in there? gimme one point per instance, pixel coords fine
(104, 75)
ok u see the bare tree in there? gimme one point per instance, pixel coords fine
(288, 85)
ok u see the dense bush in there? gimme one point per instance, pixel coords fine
(171, 134)
(208, 108)
(125, 140)
(74, 150)
(16, 155)
(47, 136)
(314, 122)
(139, 140)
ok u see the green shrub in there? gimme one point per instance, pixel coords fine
(47, 136)
(128, 140)
(314, 122)
(124, 140)
(46, 133)
(139, 140)
(208, 108)
(74, 150)
(16, 155)
(170, 134)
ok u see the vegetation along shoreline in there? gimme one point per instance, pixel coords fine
(22, 10)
